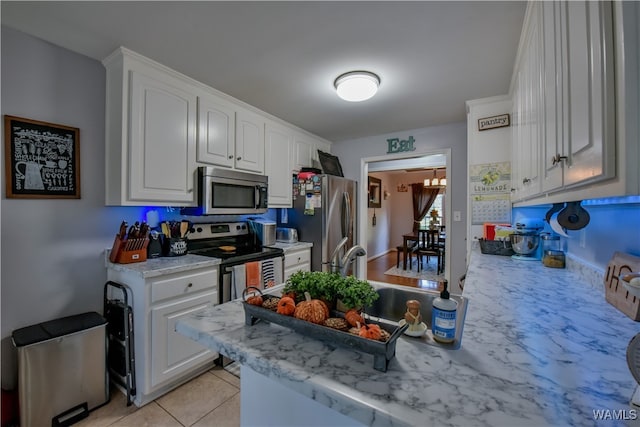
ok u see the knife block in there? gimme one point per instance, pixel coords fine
(617, 295)
(129, 250)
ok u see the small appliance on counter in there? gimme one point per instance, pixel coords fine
(525, 242)
(264, 230)
(286, 235)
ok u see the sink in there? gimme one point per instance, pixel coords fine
(392, 305)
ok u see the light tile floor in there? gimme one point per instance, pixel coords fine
(209, 400)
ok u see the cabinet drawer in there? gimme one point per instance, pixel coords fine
(297, 257)
(182, 284)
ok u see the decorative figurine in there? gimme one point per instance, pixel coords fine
(413, 318)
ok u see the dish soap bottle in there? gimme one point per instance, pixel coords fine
(443, 317)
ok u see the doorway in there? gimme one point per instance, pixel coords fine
(398, 162)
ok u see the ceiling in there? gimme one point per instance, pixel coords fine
(282, 57)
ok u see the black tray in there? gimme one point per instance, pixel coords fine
(382, 352)
(496, 247)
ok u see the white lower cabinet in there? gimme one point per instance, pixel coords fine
(164, 359)
(174, 353)
(296, 260)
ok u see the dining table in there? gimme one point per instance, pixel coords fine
(417, 236)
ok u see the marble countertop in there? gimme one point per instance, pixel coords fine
(154, 267)
(540, 347)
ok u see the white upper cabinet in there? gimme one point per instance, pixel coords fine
(278, 149)
(249, 149)
(216, 131)
(150, 134)
(229, 136)
(527, 108)
(162, 125)
(303, 151)
(579, 144)
(563, 98)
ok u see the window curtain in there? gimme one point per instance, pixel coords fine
(423, 197)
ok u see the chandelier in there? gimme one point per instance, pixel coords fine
(435, 182)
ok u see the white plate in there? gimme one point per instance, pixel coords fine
(422, 329)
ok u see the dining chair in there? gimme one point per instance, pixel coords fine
(428, 248)
(410, 251)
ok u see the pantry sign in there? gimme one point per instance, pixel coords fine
(493, 122)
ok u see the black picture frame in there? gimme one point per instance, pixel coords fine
(375, 192)
(50, 154)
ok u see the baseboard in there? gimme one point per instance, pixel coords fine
(371, 258)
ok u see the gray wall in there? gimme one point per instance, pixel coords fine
(451, 136)
(53, 250)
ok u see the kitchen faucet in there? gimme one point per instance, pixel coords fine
(340, 265)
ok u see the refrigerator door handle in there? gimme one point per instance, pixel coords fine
(346, 214)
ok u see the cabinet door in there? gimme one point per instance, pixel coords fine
(162, 140)
(278, 147)
(554, 94)
(173, 353)
(530, 115)
(216, 132)
(303, 151)
(590, 146)
(249, 142)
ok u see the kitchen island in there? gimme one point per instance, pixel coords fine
(540, 346)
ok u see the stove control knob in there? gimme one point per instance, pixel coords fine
(199, 229)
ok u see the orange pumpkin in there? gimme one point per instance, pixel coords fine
(370, 331)
(255, 300)
(286, 306)
(311, 310)
(353, 317)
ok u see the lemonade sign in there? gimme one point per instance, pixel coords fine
(490, 178)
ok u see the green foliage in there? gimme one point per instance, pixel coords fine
(355, 293)
(352, 292)
(319, 285)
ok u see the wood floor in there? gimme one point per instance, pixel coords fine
(377, 267)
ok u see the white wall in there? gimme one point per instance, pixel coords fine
(488, 146)
(451, 136)
(53, 250)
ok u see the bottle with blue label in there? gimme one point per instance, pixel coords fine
(443, 317)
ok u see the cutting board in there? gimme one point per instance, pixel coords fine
(615, 293)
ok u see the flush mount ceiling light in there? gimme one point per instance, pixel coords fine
(356, 86)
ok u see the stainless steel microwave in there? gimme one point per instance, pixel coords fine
(228, 192)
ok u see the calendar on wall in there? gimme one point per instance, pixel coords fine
(491, 208)
(490, 189)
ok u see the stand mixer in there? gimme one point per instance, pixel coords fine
(526, 240)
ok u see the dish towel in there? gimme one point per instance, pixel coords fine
(253, 271)
(272, 272)
(239, 281)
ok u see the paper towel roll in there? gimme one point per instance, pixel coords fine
(555, 225)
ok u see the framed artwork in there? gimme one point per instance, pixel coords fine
(375, 186)
(42, 160)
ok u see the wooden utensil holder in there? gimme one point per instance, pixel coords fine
(615, 293)
(129, 250)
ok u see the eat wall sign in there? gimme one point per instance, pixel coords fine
(395, 145)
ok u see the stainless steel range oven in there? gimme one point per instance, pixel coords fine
(236, 246)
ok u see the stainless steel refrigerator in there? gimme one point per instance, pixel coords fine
(324, 212)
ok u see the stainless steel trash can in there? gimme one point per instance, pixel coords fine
(62, 371)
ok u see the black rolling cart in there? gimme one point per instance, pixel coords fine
(120, 359)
